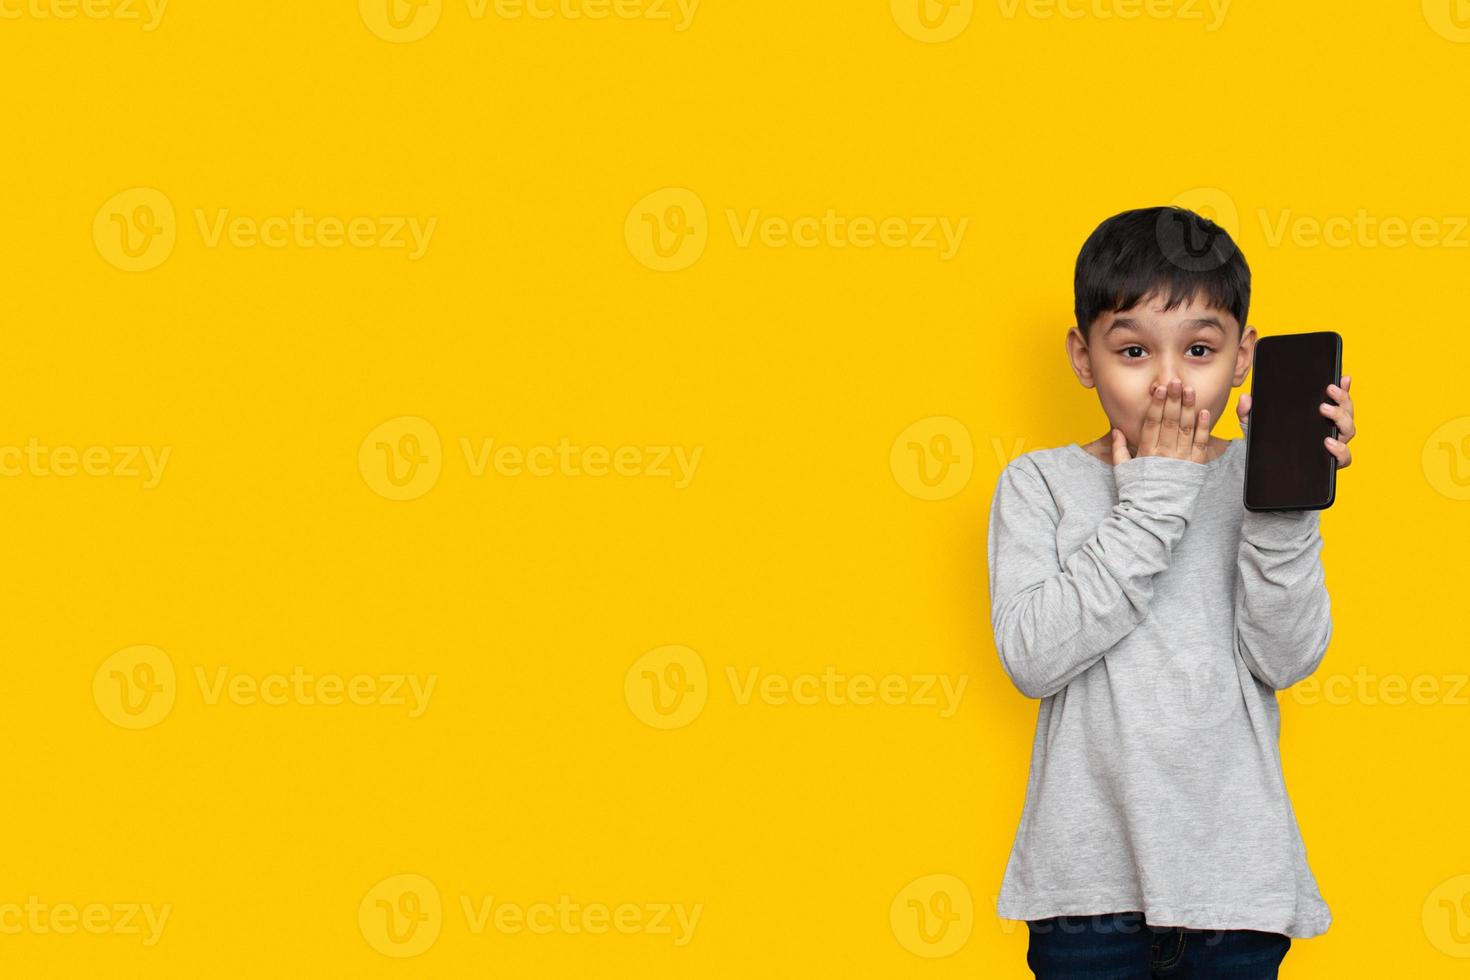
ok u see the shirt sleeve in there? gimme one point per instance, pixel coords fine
(1283, 615)
(1054, 619)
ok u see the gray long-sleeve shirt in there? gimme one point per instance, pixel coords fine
(1155, 618)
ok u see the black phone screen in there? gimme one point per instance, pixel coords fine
(1287, 466)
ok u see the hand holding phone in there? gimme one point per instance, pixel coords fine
(1295, 440)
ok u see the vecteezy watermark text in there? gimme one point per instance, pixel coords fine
(402, 459)
(123, 462)
(148, 13)
(669, 686)
(137, 686)
(403, 915)
(40, 918)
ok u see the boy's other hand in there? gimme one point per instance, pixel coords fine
(1341, 413)
(1171, 428)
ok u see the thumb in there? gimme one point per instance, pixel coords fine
(1243, 410)
(1120, 448)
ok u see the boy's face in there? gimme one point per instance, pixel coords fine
(1124, 354)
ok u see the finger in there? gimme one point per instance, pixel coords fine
(1341, 451)
(1200, 447)
(1346, 429)
(1344, 406)
(1169, 427)
(1187, 420)
(1340, 396)
(1120, 448)
(1148, 439)
(1243, 411)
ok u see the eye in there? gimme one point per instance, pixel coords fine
(1130, 347)
(1204, 347)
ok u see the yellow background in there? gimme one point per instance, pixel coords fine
(530, 319)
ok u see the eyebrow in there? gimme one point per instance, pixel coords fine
(1126, 323)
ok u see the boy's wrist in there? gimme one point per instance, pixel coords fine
(1291, 521)
(1161, 485)
(1165, 468)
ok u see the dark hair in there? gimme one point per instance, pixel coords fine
(1171, 252)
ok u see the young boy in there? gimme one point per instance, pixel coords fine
(1155, 618)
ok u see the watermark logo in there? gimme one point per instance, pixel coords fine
(400, 21)
(1450, 19)
(668, 229)
(1446, 917)
(1195, 249)
(932, 21)
(401, 459)
(401, 916)
(667, 687)
(1446, 458)
(135, 687)
(933, 916)
(1194, 694)
(1211, 203)
(135, 229)
(933, 458)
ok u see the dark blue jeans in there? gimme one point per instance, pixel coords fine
(1122, 946)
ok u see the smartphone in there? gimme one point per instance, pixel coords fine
(1287, 466)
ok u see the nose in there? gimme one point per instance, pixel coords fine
(1169, 370)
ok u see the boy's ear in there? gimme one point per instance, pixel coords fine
(1243, 356)
(1080, 358)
